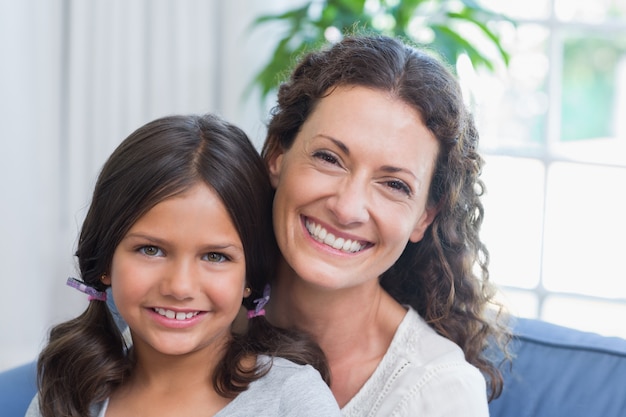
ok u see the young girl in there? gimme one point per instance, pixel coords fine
(178, 234)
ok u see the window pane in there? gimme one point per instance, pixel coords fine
(519, 303)
(529, 9)
(511, 109)
(594, 89)
(587, 315)
(513, 219)
(585, 230)
(589, 11)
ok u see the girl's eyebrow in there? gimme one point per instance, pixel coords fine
(162, 242)
(137, 235)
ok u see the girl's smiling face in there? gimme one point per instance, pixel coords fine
(178, 275)
(352, 190)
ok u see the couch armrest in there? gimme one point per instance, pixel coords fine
(18, 386)
(559, 371)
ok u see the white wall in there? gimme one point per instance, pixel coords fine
(76, 77)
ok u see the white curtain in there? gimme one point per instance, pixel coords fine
(76, 77)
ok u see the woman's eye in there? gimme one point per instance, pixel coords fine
(399, 185)
(151, 251)
(215, 257)
(326, 157)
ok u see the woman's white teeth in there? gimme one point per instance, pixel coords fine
(320, 234)
(175, 315)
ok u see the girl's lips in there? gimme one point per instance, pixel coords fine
(176, 318)
(334, 239)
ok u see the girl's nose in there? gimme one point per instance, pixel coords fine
(179, 281)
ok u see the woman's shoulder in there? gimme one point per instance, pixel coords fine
(426, 356)
(435, 367)
(419, 370)
(420, 344)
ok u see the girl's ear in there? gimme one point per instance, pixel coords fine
(105, 279)
(247, 292)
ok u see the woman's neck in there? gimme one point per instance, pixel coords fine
(339, 320)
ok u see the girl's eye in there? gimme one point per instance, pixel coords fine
(326, 157)
(215, 257)
(399, 186)
(151, 251)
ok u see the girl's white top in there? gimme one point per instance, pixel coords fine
(287, 389)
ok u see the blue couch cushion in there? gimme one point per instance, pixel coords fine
(18, 386)
(559, 371)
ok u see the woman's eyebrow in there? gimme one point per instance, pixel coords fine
(391, 169)
(337, 143)
(386, 168)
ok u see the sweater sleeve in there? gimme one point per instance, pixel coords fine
(33, 408)
(306, 395)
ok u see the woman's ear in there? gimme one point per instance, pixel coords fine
(274, 165)
(422, 224)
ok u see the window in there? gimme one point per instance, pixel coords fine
(553, 132)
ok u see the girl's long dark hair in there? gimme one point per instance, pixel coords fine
(436, 276)
(87, 358)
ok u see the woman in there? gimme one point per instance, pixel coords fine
(373, 157)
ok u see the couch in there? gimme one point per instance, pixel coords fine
(17, 388)
(560, 371)
(557, 372)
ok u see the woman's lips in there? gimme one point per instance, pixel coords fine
(344, 244)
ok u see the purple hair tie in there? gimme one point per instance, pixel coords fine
(260, 303)
(90, 291)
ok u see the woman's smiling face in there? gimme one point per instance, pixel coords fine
(352, 190)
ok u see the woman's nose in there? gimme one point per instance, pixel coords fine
(349, 202)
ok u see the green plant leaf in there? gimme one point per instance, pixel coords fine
(458, 45)
(469, 16)
(355, 7)
(304, 30)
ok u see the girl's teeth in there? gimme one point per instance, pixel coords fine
(174, 315)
